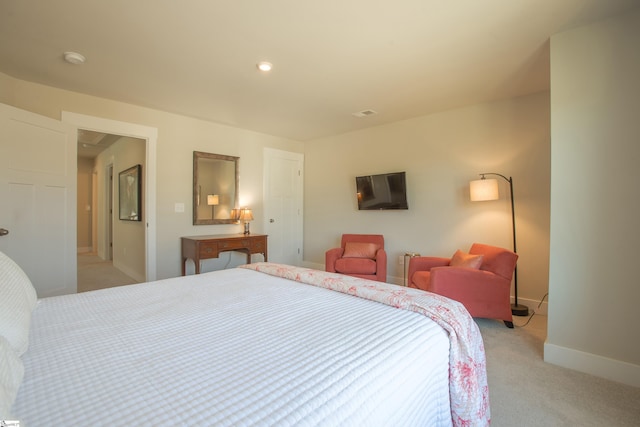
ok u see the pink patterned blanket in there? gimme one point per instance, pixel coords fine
(468, 387)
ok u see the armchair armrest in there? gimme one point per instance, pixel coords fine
(381, 265)
(483, 293)
(460, 283)
(330, 258)
(425, 263)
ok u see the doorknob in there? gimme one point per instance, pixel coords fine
(3, 231)
(272, 220)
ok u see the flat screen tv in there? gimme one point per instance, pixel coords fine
(382, 191)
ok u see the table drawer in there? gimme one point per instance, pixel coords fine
(258, 245)
(208, 250)
(233, 244)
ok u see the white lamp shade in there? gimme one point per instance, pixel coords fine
(213, 199)
(484, 189)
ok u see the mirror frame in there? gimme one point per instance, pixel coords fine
(202, 155)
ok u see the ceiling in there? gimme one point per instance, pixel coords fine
(331, 58)
(91, 143)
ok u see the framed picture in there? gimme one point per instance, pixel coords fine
(129, 194)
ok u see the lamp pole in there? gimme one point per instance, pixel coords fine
(516, 309)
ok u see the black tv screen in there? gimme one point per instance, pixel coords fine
(382, 191)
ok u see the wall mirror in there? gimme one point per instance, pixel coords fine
(215, 188)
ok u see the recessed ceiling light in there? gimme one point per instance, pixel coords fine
(74, 58)
(265, 66)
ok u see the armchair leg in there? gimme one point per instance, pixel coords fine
(508, 324)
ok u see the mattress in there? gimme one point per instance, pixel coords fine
(234, 347)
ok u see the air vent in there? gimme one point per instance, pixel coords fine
(365, 113)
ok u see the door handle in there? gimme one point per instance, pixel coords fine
(3, 231)
(272, 220)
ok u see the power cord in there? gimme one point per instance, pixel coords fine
(228, 261)
(533, 313)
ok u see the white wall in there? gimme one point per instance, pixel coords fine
(178, 137)
(440, 153)
(595, 199)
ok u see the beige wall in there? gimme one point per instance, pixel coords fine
(595, 116)
(440, 153)
(85, 194)
(178, 137)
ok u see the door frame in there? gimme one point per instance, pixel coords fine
(108, 226)
(150, 135)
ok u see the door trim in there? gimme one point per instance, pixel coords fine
(150, 135)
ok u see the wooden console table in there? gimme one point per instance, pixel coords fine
(198, 248)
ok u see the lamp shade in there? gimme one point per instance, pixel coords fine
(213, 199)
(484, 189)
(245, 215)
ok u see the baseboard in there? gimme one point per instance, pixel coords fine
(593, 364)
(85, 250)
(395, 280)
(315, 266)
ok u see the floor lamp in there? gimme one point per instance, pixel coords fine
(487, 189)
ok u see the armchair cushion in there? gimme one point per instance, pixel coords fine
(462, 259)
(356, 266)
(496, 260)
(360, 250)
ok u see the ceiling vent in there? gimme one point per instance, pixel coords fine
(365, 113)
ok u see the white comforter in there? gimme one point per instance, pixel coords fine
(232, 348)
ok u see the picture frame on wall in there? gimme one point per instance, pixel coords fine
(130, 188)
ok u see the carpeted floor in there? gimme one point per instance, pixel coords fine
(526, 391)
(95, 273)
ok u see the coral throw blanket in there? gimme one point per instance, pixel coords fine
(468, 388)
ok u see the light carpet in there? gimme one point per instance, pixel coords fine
(95, 273)
(526, 391)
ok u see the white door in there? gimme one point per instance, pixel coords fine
(283, 197)
(38, 176)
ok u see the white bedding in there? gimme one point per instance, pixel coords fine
(231, 348)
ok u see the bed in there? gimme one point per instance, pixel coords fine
(259, 345)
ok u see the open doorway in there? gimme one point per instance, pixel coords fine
(148, 174)
(110, 252)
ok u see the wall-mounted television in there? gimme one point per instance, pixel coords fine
(382, 191)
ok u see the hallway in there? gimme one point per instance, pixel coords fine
(95, 273)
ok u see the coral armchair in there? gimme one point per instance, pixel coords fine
(480, 280)
(359, 255)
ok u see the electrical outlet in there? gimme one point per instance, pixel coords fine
(401, 259)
